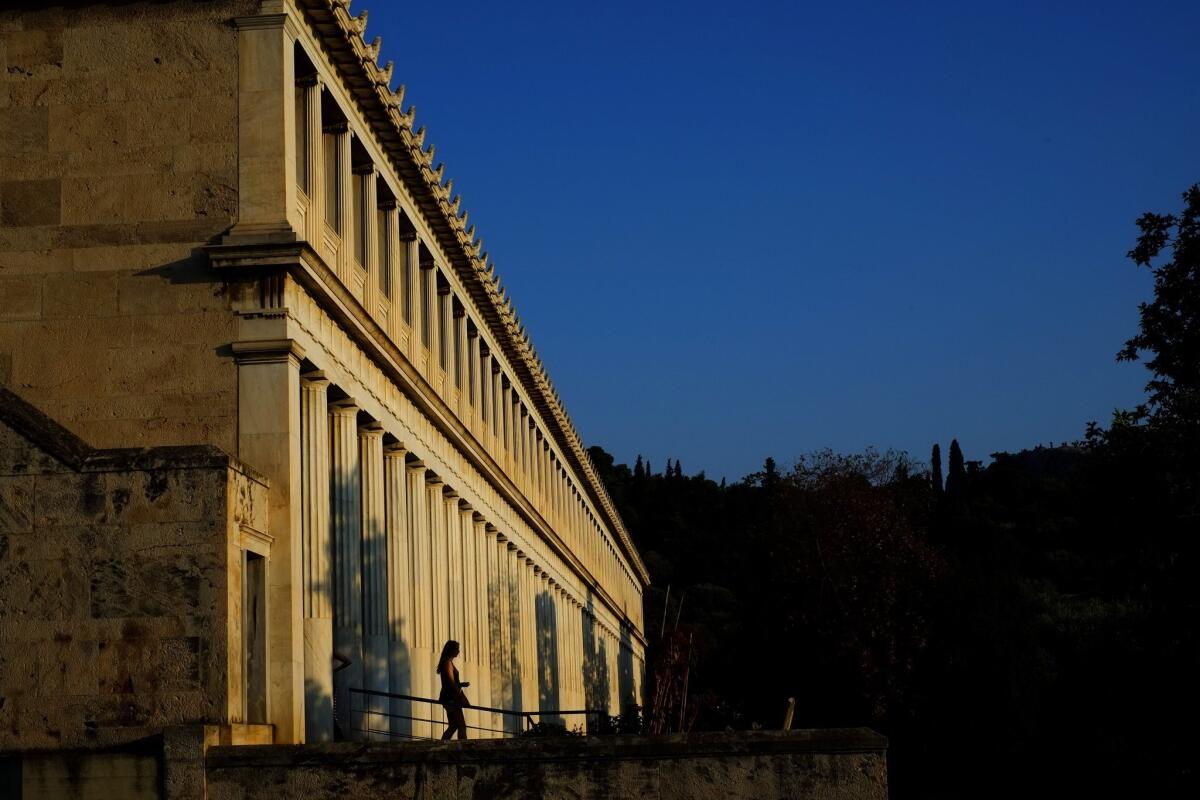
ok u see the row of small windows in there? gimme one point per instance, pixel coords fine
(445, 327)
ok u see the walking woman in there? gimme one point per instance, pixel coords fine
(452, 697)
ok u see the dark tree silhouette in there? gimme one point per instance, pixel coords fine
(1169, 330)
(956, 477)
(935, 465)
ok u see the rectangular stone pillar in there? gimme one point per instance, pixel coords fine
(376, 644)
(269, 441)
(346, 519)
(317, 558)
(266, 121)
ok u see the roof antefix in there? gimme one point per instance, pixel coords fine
(343, 36)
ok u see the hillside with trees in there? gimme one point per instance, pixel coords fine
(1028, 626)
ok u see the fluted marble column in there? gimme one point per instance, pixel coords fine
(399, 585)
(314, 182)
(438, 586)
(347, 561)
(529, 683)
(467, 591)
(483, 694)
(376, 646)
(424, 660)
(317, 555)
(496, 619)
(516, 681)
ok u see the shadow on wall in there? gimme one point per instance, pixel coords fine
(595, 663)
(549, 695)
(512, 724)
(626, 683)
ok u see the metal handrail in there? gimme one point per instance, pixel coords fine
(528, 716)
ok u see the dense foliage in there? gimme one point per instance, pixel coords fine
(1029, 628)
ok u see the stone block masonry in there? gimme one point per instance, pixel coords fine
(119, 585)
(118, 162)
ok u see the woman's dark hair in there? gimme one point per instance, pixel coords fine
(449, 651)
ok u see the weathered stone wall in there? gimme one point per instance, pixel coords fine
(118, 136)
(117, 580)
(830, 765)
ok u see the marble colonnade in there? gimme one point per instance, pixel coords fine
(396, 563)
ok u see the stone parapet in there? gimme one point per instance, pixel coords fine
(837, 763)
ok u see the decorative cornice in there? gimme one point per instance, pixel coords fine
(342, 35)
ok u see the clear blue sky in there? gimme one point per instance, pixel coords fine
(746, 229)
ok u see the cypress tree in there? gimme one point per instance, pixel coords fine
(936, 468)
(639, 471)
(956, 477)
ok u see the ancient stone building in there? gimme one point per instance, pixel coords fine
(272, 430)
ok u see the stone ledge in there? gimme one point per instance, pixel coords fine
(595, 748)
(78, 455)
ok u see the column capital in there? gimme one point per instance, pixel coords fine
(314, 379)
(336, 126)
(371, 430)
(408, 236)
(395, 450)
(267, 351)
(450, 492)
(344, 407)
(465, 507)
(431, 479)
(387, 205)
(417, 465)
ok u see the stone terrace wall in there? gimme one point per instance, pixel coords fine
(117, 581)
(118, 160)
(831, 765)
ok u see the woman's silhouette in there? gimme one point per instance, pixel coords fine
(452, 697)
